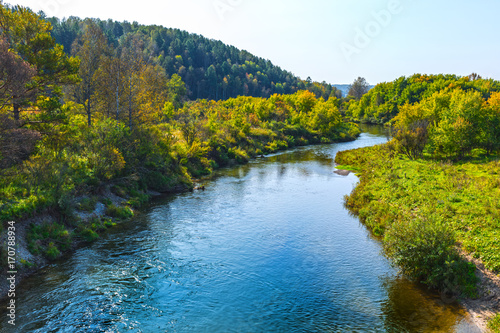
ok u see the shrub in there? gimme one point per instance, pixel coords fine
(425, 251)
(119, 212)
(89, 235)
(52, 252)
(156, 181)
(119, 191)
(107, 202)
(41, 236)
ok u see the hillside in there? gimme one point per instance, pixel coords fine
(210, 68)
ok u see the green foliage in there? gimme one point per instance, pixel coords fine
(425, 251)
(25, 263)
(107, 202)
(208, 68)
(449, 124)
(89, 231)
(494, 324)
(87, 204)
(119, 212)
(348, 167)
(49, 239)
(89, 235)
(384, 101)
(442, 203)
(52, 252)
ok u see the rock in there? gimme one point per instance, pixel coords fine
(342, 172)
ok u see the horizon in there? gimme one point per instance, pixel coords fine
(336, 42)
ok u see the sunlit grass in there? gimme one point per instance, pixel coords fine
(465, 197)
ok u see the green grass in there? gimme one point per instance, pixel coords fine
(494, 324)
(119, 212)
(89, 231)
(49, 239)
(349, 168)
(462, 197)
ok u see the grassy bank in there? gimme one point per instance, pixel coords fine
(427, 212)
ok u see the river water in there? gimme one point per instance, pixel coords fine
(267, 247)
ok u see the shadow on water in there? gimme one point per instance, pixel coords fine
(374, 129)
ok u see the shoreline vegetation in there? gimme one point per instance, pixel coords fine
(432, 193)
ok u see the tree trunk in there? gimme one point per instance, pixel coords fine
(16, 112)
(130, 106)
(88, 112)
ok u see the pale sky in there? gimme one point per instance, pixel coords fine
(331, 40)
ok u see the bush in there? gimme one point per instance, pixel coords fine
(156, 181)
(107, 202)
(52, 252)
(87, 204)
(89, 235)
(40, 238)
(119, 191)
(425, 251)
(119, 212)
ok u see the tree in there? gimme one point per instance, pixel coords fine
(28, 35)
(110, 86)
(358, 88)
(460, 127)
(90, 47)
(15, 73)
(176, 91)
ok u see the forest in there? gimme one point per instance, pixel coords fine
(210, 69)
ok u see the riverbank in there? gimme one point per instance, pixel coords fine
(48, 236)
(448, 204)
(88, 225)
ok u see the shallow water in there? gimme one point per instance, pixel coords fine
(267, 247)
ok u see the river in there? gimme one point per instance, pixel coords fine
(267, 247)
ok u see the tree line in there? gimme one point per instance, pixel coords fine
(209, 68)
(382, 103)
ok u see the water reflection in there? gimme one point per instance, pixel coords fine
(412, 308)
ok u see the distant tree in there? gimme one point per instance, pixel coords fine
(90, 48)
(358, 88)
(209, 68)
(474, 76)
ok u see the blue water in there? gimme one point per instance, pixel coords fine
(267, 247)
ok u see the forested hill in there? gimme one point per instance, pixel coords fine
(209, 68)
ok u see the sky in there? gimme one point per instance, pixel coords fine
(328, 40)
